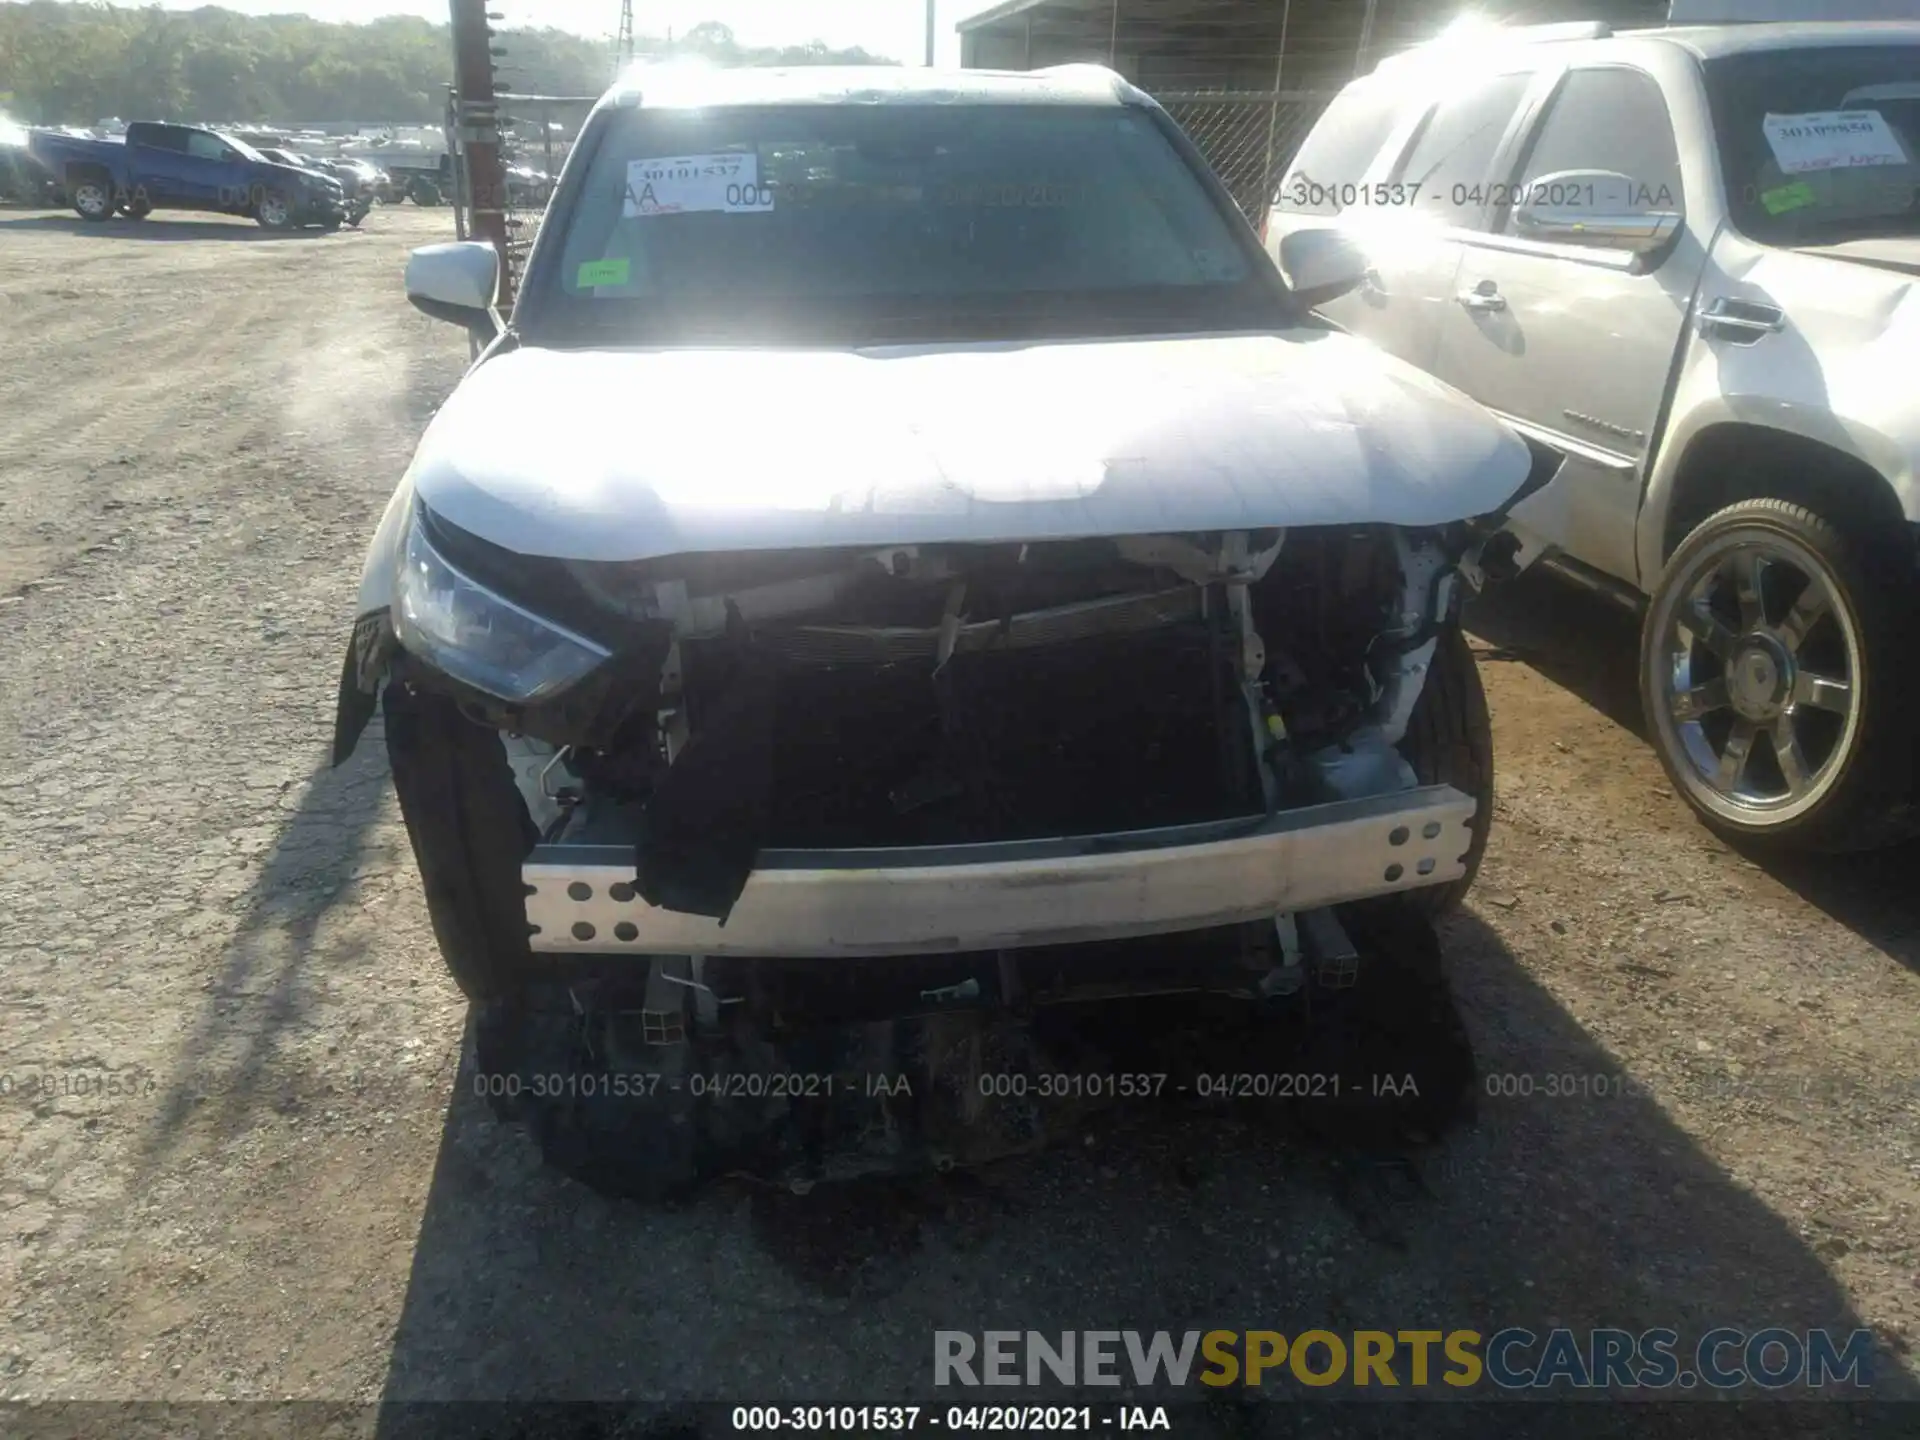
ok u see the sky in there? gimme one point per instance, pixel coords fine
(896, 28)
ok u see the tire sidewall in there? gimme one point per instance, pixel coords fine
(1869, 606)
(96, 213)
(285, 220)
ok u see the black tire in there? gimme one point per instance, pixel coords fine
(91, 195)
(1863, 792)
(331, 224)
(274, 211)
(138, 209)
(1449, 741)
(424, 192)
(470, 832)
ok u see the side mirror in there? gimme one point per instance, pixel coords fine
(1600, 208)
(1321, 263)
(456, 282)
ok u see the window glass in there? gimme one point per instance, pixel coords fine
(1451, 156)
(1343, 143)
(764, 216)
(1847, 121)
(207, 147)
(1605, 119)
(161, 137)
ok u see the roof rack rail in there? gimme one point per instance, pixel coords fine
(1494, 33)
(1760, 12)
(1565, 30)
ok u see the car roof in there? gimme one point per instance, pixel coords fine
(689, 86)
(1710, 42)
(1706, 42)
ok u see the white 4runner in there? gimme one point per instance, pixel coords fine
(907, 546)
(1688, 260)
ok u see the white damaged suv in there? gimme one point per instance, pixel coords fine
(908, 547)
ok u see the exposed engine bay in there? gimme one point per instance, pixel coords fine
(958, 695)
(1159, 695)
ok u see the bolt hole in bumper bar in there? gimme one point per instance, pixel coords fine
(928, 900)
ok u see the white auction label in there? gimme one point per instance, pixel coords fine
(688, 184)
(1832, 140)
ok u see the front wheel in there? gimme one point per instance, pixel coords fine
(273, 212)
(93, 199)
(1774, 685)
(470, 831)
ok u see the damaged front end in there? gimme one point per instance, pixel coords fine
(841, 813)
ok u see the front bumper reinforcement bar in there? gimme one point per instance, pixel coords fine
(928, 900)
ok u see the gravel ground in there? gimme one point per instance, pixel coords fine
(293, 1193)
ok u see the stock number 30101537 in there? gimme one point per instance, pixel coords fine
(905, 1419)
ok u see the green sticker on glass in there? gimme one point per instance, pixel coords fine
(1788, 197)
(603, 272)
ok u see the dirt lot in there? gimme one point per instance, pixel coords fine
(295, 1194)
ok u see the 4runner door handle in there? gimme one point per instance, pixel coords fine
(1484, 296)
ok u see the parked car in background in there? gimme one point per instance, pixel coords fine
(177, 167)
(528, 187)
(1071, 585)
(23, 179)
(359, 194)
(1685, 259)
(422, 176)
(374, 181)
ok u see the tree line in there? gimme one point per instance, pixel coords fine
(80, 63)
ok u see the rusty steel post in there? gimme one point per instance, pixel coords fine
(1267, 178)
(1366, 38)
(479, 130)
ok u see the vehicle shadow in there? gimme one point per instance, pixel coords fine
(219, 1078)
(1589, 646)
(152, 228)
(1579, 1212)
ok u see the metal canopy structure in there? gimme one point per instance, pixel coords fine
(1246, 78)
(1186, 45)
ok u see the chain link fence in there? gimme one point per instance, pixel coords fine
(1248, 136)
(536, 136)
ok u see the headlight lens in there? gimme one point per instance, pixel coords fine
(481, 638)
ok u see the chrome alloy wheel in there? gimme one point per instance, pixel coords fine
(272, 211)
(1755, 677)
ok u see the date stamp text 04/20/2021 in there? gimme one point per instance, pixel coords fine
(957, 1419)
(642, 1085)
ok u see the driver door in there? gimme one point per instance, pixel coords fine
(214, 176)
(1574, 344)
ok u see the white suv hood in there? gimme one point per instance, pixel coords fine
(625, 454)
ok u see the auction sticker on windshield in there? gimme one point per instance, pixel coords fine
(689, 184)
(1832, 140)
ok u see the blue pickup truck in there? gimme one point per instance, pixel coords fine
(176, 167)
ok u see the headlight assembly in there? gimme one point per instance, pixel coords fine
(480, 638)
